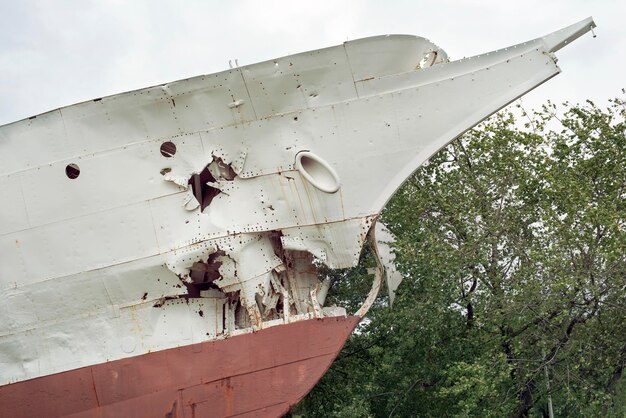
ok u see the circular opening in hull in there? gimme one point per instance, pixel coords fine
(72, 171)
(168, 149)
(317, 172)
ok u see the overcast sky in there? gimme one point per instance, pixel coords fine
(56, 53)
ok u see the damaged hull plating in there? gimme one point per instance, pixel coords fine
(182, 225)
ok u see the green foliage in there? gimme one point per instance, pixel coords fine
(512, 244)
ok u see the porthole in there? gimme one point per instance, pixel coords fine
(72, 171)
(168, 149)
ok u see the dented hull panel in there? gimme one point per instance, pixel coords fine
(263, 372)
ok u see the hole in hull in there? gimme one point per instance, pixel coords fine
(203, 192)
(72, 171)
(168, 149)
(217, 170)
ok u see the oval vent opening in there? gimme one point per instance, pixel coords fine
(317, 172)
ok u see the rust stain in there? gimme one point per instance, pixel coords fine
(297, 192)
(172, 413)
(343, 211)
(93, 383)
(311, 205)
(228, 397)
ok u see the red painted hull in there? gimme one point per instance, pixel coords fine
(258, 374)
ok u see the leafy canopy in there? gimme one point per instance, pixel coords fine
(512, 244)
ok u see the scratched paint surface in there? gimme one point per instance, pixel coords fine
(197, 210)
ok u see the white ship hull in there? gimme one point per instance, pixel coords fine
(114, 245)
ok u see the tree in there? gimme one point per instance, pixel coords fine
(512, 243)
